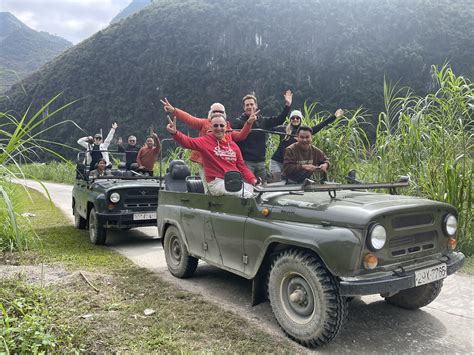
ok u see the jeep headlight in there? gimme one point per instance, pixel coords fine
(450, 225)
(114, 197)
(376, 237)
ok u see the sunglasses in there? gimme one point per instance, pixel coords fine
(132, 140)
(295, 118)
(217, 125)
(218, 111)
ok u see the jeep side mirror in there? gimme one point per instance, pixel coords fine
(233, 181)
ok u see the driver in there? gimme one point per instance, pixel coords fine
(219, 155)
(302, 158)
(101, 169)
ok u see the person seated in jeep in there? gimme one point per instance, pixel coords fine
(101, 169)
(219, 155)
(302, 158)
(131, 150)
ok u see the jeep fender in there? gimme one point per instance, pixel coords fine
(167, 222)
(339, 248)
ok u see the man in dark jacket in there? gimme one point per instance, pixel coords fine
(131, 150)
(253, 148)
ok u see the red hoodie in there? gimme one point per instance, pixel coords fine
(218, 156)
(204, 126)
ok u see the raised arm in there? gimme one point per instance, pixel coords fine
(110, 136)
(182, 139)
(339, 113)
(181, 115)
(157, 143)
(269, 122)
(84, 142)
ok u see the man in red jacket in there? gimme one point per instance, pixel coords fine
(219, 155)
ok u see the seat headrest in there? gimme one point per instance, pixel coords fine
(179, 172)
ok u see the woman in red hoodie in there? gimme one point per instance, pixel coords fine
(219, 154)
(203, 125)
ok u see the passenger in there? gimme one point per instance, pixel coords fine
(203, 125)
(219, 155)
(95, 145)
(276, 162)
(147, 154)
(302, 158)
(101, 169)
(253, 148)
(131, 150)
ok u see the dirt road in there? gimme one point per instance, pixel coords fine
(445, 326)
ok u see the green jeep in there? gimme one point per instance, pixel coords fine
(309, 248)
(123, 200)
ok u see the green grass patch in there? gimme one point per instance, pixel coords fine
(468, 267)
(68, 315)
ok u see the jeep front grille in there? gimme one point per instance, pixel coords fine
(140, 198)
(414, 243)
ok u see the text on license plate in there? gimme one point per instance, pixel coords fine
(430, 274)
(142, 216)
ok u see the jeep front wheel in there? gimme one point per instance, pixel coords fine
(179, 262)
(79, 222)
(305, 298)
(97, 233)
(416, 297)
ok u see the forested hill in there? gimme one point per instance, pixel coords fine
(133, 7)
(23, 50)
(196, 52)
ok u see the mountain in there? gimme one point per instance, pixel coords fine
(23, 50)
(133, 7)
(196, 52)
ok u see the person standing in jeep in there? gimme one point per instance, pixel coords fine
(131, 150)
(253, 148)
(96, 149)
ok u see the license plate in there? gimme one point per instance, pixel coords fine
(143, 216)
(425, 276)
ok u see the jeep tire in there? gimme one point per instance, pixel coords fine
(416, 297)
(180, 263)
(97, 233)
(305, 298)
(79, 222)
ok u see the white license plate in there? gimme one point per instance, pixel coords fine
(143, 216)
(425, 276)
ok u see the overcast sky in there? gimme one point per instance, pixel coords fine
(74, 20)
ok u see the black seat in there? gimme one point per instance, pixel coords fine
(175, 179)
(194, 185)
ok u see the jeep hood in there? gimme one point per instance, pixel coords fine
(347, 208)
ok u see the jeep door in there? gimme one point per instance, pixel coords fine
(228, 218)
(196, 223)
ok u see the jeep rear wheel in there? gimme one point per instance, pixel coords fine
(416, 297)
(79, 222)
(305, 298)
(97, 233)
(179, 262)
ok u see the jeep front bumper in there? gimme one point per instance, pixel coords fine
(125, 220)
(395, 281)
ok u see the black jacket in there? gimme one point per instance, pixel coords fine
(131, 152)
(253, 148)
(280, 152)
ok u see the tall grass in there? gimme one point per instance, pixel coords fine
(20, 142)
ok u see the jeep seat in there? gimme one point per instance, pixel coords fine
(194, 185)
(175, 179)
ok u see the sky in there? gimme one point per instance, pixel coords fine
(74, 20)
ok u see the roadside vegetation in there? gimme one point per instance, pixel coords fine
(58, 310)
